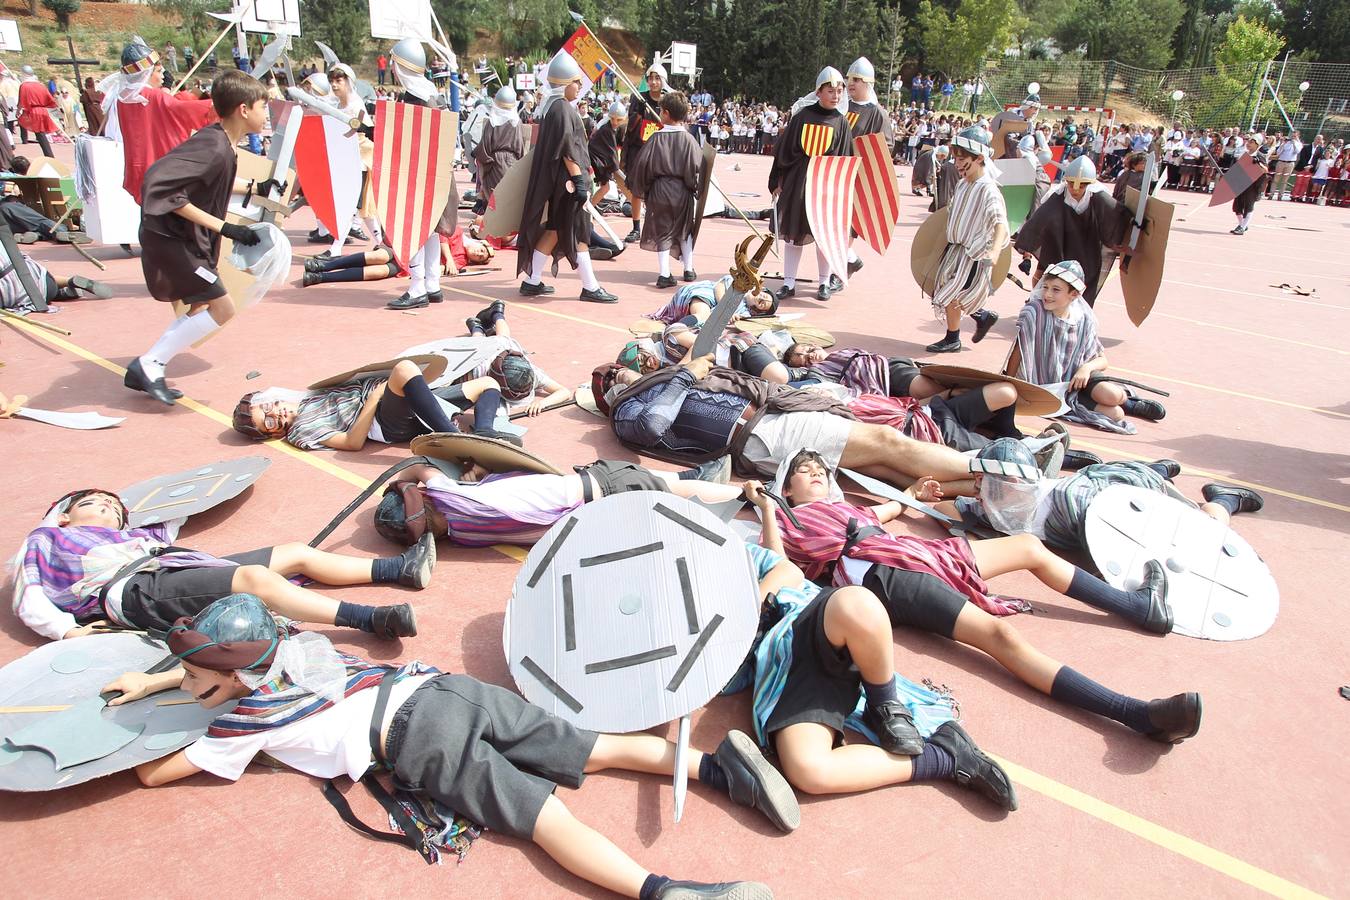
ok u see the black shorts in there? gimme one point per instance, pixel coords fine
(903, 372)
(211, 291)
(153, 601)
(958, 417)
(615, 477)
(482, 750)
(916, 599)
(753, 360)
(398, 423)
(823, 685)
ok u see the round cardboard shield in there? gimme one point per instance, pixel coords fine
(490, 453)
(925, 254)
(56, 732)
(1032, 399)
(1217, 585)
(630, 612)
(190, 492)
(431, 364)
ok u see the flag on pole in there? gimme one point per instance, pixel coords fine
(590, 56)
(412, 174)
(876, 206)
(830, 182)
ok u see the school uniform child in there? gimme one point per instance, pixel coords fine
(1058, 342)
(183, 205)
(473, 747)
(665, 175)
(83, 566)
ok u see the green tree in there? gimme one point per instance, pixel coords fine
(955, 41)
(343, 25)
(1134, 32)
(1037, 22)
(1317, 29)
(193, 17)
(63, 9)
(1247, 42)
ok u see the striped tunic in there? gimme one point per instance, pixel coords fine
(329, 412)
(686, 294)
(976, 209)
(858, 370)
(1054, 347)
(513, 508)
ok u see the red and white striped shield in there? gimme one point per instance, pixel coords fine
(830, 182)
(876, 208)
(328, 164)
(413, 172)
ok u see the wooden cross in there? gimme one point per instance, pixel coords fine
(73, 61)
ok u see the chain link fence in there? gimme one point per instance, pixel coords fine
(1313, 98)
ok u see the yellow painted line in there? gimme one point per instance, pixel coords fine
(1168, 840)
(1193, 850)
(1219, 390)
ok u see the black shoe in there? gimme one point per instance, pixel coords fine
(599, 295)
(836, 283)
(754, 782)
(324, 256)
(984, 320)
(633, 236)
(1237, 230)
(1159, 618)
(96, 289)
(722, 890)
(418, 561)
(314, 264)
(1171, 467)
(137, 380)
(1143, 408)
(974, 769)
(536, 290)
(435, 297)
(785, 292)
(600, 254)
(499, 436)
(854, 267)
(357, 234)
(1175, 718)
(894, 726)
(824, 292)
(474, 327)
(1248, 500)
(666, 281)
(309, 279)
(1079, 459)
(946, 345)
(690, 275)
(26, 237)
(317, 237)
(407, 301)
(394, 621)
(489, 315)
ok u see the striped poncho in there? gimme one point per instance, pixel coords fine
(905, 414)
(965, 271)
(861, 371)
(825, 526)
(1054, 347)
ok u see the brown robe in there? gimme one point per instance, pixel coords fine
(644, 120)
(828, 136)
(500, 147)
(549, 205)
(869, 118)
(92, 101)
(604, 149)
(178, 257)
(1055, 233)
(666, 176)
(947, 177)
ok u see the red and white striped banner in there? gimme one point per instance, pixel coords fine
(876, 208)
(830, 182)
(413, 172)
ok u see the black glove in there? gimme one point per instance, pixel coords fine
(265, 188)
(240, 234)
(1025, 266)
(581, 189)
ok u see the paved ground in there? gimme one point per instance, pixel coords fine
(1257, 802)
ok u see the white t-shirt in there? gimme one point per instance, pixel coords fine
(1323, 168)
(326, 744)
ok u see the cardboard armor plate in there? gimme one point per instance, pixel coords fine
(1140, 283)
(432, 366)
(1032, 399)
(704, 185)
(930, 242)
(1217, 585)
(508, 199)
(632, 611)
(192, 491)
(49, 705)
(462, 355)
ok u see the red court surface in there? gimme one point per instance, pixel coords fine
(1257, 802)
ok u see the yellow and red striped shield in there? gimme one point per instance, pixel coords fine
(413, 172)
(876, 206)
(830, 184)
(816, 138)
(852, 119)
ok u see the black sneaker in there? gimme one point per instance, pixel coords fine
(690, 275)
(824, 292)
(666, 281)
(1176, 718)
(975, 770)
(309, 279)
(785, 292)
(599, 295)
(95, 289)
(1159, 617)
(946, 345)
(1170, 466)
(1078, 459)
(137, 380)
(633, 236)
(418, 561)
(601, 254)
(723, 890)
(836, 283)
(358, 234)
(984, 320)
(1143, 408)
(753, 781)
(536, 290)
(894, 727)
(854, 267)
(406, 301)
(1248, 500)
(394, 621)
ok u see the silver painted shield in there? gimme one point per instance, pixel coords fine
(1218, 586)
(630, 612)
(188, 493)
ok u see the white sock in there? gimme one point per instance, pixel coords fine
(1246, 220)
(431, 263)
(182, 334)
(376, 232)
(687, 252)
(417, 276)
(588, 280)
(663, 263)
(792, 258)
(852, 256)
(823, 265)
(537, 263)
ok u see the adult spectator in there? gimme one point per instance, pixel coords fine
(382, 68)
(1286, 159)
(948, 90)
